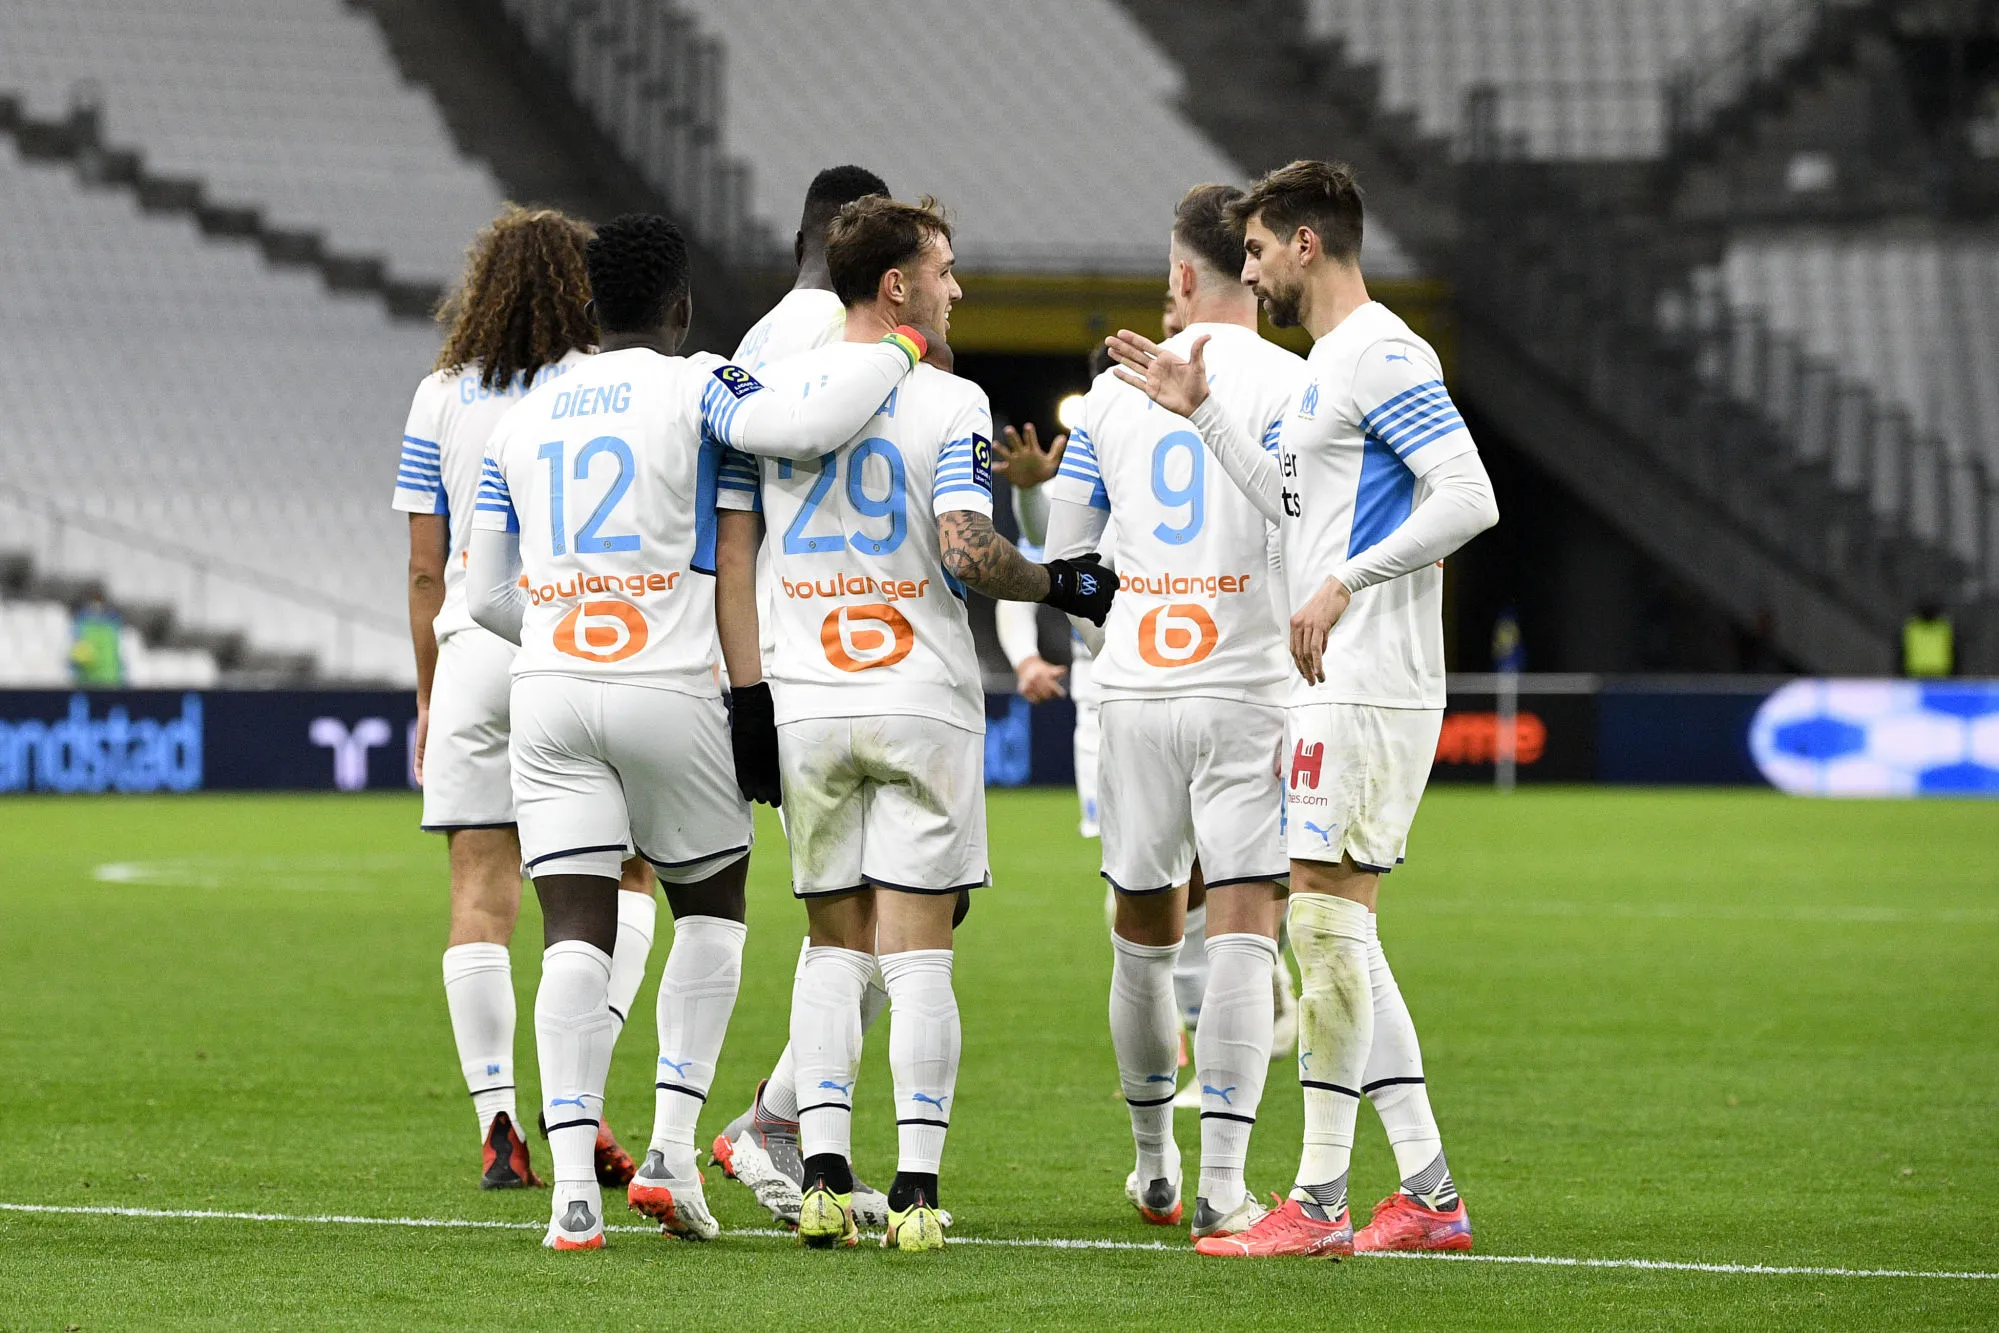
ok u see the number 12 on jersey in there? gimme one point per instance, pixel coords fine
(589, 541)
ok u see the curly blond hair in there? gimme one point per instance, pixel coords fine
(524, 300)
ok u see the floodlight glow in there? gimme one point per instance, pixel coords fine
(1070, 411)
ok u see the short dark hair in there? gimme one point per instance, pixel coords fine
(831, 190)
(1202, 224)
(638, 268)
(1321, 195)
(870, 236)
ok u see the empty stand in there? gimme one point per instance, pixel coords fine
(292, 107)
(1541, 78)
(1053, 135)
(198, 429)
(1911, 319)
(35, 644)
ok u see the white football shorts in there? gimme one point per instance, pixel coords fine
(467, 781)
(604, 770)
(1356, 776)
(892, 800)
(1191, 776)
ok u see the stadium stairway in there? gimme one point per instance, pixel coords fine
(1852, 119)
(79, 140)
(1559, 281)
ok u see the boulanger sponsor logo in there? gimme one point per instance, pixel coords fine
(863, 637)
(606, 630)
(1176, 635)
(1880, 738)
(584, 585)
(855, 585)
(117, 752)
(1183, 585)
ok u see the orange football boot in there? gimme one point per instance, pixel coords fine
(615, 1167)
(1401, 1223)
(506, 1165)
(1286, 1230)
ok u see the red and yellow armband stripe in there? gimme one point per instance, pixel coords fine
(910, 341)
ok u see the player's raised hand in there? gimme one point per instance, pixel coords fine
(1310, 626)
(1018, 455)
(1178, 384)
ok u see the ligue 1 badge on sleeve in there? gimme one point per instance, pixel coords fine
(982, 461)
(737, 380)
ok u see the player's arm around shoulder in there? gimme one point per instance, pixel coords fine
(809, 404)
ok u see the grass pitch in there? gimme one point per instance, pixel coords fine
(1717, 1027)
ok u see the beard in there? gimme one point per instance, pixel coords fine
(1281, 304)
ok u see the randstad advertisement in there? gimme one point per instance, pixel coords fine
(135, 741)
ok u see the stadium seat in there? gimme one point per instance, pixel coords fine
(291, 106)
(229, 430)
(1913, 318)
(1564, 78)
(1030, 148)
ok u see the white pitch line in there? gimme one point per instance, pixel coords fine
(1038, 1243)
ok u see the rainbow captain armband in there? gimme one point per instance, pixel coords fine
(911, 342)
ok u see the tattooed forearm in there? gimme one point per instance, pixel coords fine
(979, 557)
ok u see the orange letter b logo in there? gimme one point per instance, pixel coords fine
(859, 638)
(1177, 635)
(606, 631)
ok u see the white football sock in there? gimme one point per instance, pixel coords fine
(574, 1031)
(923, 1046)
(1190, 973)
(826, 1045)
(637, 914)
(781, 1089)
(479, 992)
(1146, 1039)
(1394, 1083)
(697, 993)
(1232, 1059)
(1335, 1032)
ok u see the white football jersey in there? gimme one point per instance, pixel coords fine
(806, 318)
(1371, 418)
(450, 420)
(1198, 610)
(867, 621)
(610, 476)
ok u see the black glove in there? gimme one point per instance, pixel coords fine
(1081, 587)
(753, 737)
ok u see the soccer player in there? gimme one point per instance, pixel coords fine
(760, 1147)
(519, 316)
(1375, 481)
(595, 549)
(809, 315)
(1194, 677)
(881, 717)
(1020, 456)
